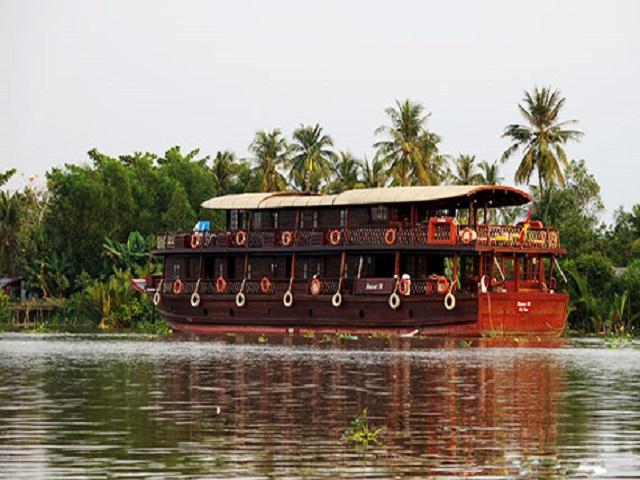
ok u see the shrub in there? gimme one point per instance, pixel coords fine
(5, 311)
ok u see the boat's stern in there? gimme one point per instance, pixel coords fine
(522, 313)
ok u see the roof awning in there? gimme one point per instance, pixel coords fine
(451, 195)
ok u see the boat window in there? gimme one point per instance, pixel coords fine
(343, 217)
(210, 267)
(174, 268)
(233, 220)
(257, 220)
(194, 267)
(249, 271)
(274, 217)
(305, 270)
(315, 219)
(380, 214)
(302, 220)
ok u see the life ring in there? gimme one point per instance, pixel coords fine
(334, 237)
(449, 301)
(195, 240)
(484, 283)
(177, 286)
(429, 287)
(315, 286)
(442, 285)
(241, 238)
(404, 286)
(221, 284)
(286, 238)
(390, 236)
(241, 299)
(287, 298)
(468, 235)
(195, 299)
(394, 300)
(156, 298)
(336, 300)
(265, 285)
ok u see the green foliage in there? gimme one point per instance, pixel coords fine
(542, 138)
(111, 303)
(311, 157)
(5, 311)
(133, 255)
(574, 209)
(359, 432)
(410, 151)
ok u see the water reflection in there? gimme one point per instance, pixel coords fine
(235, 407)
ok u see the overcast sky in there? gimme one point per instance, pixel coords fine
(125, 75)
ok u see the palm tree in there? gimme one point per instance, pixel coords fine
(312, 157)
(271, 152)
(409, 150)
(465, 170)
(346, 173)
(542, 139)
(490, 173)
(374, 174)
(223, 171)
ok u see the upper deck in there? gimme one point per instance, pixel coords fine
(438, 218)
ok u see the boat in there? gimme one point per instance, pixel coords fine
(421, 260)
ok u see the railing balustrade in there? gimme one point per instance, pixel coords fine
(375, 236)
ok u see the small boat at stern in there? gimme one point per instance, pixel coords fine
(406, 260)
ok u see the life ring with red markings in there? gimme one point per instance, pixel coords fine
(265, 285)
(241, 238)
(221, 284)
(286, 238)
(177, 286)
(390, 236)
(334, 237)
(315, 286)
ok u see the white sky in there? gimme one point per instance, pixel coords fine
(124, 75)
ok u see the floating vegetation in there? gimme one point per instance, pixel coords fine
(346, 336)
(465, 343)
(263, 339)
(359, 433)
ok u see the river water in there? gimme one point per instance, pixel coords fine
(244, 407)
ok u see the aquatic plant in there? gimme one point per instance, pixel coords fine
(263, 339)
(359, 433)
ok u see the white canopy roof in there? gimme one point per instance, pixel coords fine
(498, 195)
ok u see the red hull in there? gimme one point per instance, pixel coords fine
(485, 314)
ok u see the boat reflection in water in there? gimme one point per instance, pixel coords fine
(236, 406)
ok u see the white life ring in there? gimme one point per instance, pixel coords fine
(287, 298)
(195, 299)
(240, 299)
(336, 300)
(394, 300)
(449, 301)
(156, 298)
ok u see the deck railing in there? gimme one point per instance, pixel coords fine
(374, 236)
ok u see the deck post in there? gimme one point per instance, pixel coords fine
(516, 272)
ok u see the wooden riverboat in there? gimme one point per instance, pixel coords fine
(402, 260)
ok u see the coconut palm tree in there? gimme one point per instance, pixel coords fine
(374, 174)
(490, 173)
(409, 149)
(223, 171)
(312, 155)
(542, 138)
(346, 173)
(271, 152)
(465, 172)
